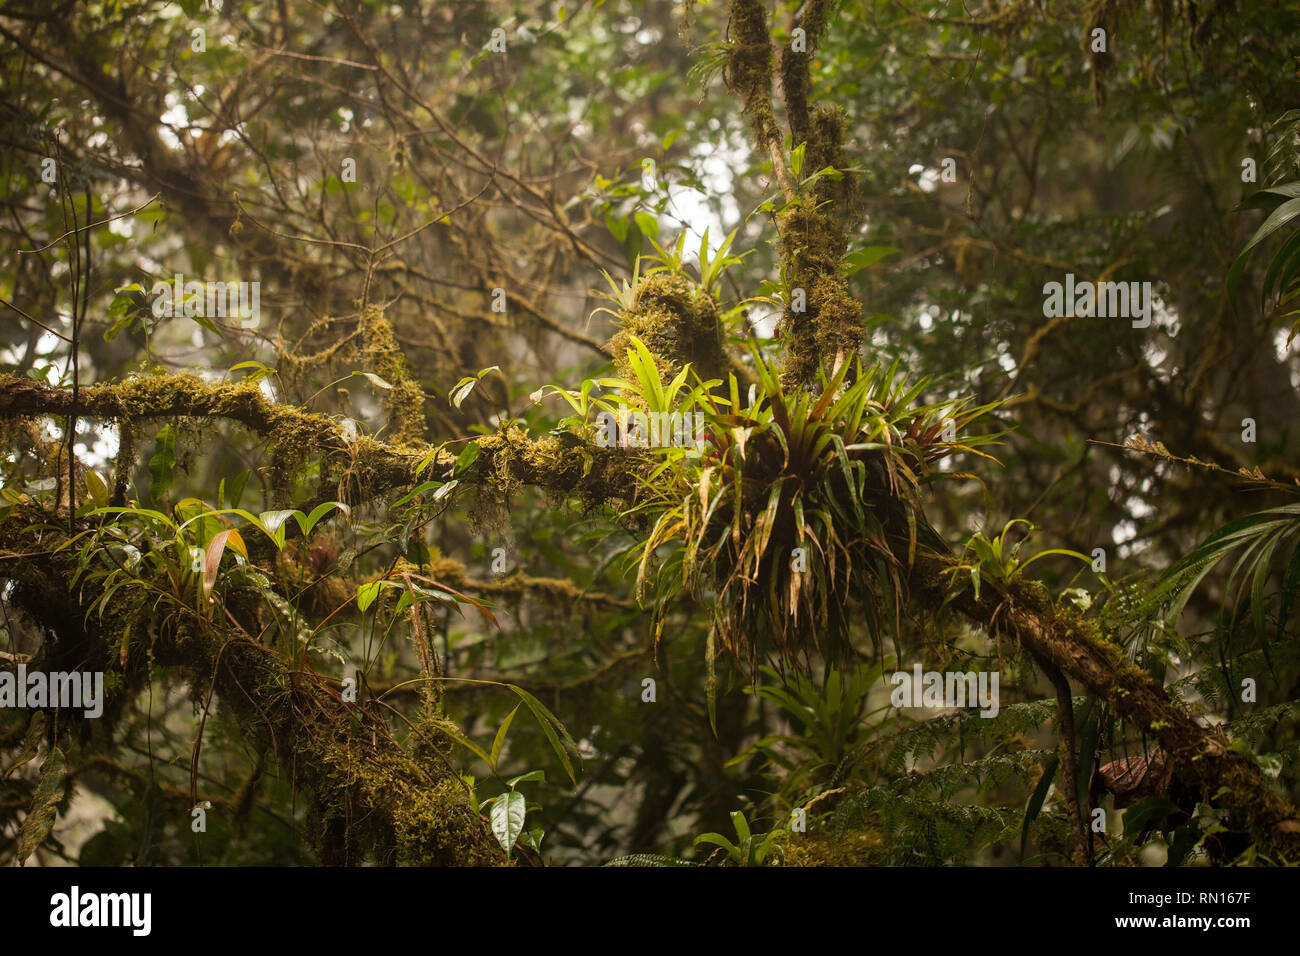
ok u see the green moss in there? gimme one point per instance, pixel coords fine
(750, 66)
(405, 401)
(811, 226)
(447, 571)
(824, 848)
(372, 347)
(375, 797)
(424, 822)
(795, 83)
(678, 322)
(124, 463)
(826, 148)
(557, 464)
(812, 245)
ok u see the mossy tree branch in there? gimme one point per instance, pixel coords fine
(822, 320)
(751, 76)
(1073, 644)
(400, 802)
(1065, 639)
(794, 67)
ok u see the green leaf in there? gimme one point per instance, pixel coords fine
(1272, 197)
(617, 227)
(162, 463)
(31, 744)
(717, 839)
(260, 371)
(97, 489)
(320, 511)
(451, 731)
(796, 158)
(366, 594)
(526, 777)
(533, 838)
(462, 390)
(273, 523)
(508, 818)
(865, 257)
(1149, 811)
(416, 492)
(375, 380)
(1278, 218)
(741, 824)
(1036, 800)
(464, 460)
(125, 318)
(212, 559)
(633, 245)
(499, 741)
(236, 490)
(552, 728)
(648, 224)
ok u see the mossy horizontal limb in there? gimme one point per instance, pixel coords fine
(509, 458)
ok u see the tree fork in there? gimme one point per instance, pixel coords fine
(813, 239)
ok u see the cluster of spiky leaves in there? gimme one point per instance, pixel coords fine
(832, 725)
(802, 510)
(930, 791)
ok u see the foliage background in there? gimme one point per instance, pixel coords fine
(524, 171)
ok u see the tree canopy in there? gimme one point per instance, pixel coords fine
(761, 432)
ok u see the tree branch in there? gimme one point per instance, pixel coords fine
(1073, 644)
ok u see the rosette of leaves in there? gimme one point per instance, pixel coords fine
(801, 516)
